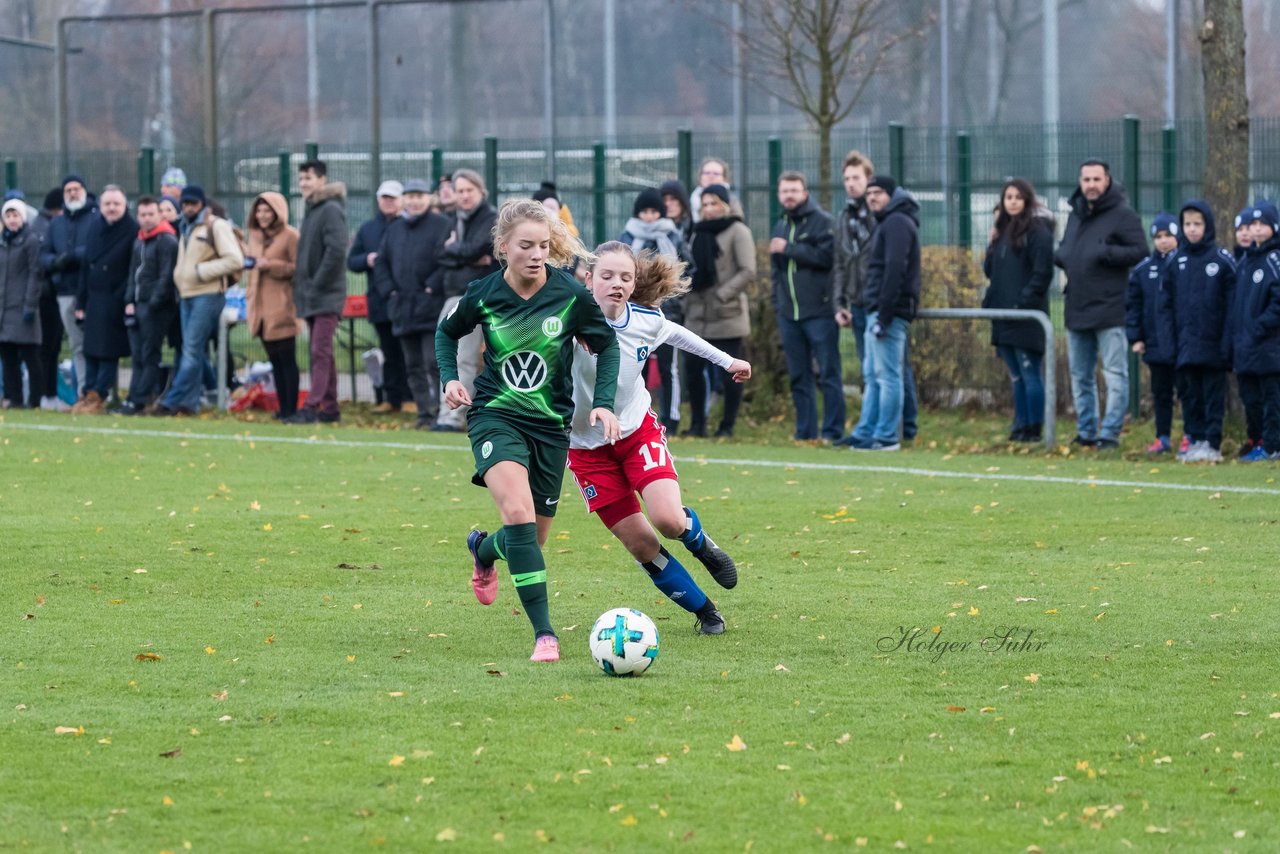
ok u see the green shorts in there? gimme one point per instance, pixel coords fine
(542, 451)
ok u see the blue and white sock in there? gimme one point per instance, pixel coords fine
(693, 538)
(670, 576)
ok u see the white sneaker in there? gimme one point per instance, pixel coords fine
(53, 404)
(1197, 453)
(1211, 455)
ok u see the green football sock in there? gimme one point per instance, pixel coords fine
(529, 573)
(493, 547)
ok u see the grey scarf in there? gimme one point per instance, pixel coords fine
(657, 233)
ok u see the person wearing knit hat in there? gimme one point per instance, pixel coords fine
(550, 198)
(1253, 332)
(679, 206)
(649, 199)
(1243, 240)
(172, 182)
(1149, 330)
(61, 257)
(19, 306)
(883, 182)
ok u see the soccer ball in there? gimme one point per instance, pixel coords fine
(624, 642)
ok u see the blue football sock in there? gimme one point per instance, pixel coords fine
(669, 576)
(693, 538)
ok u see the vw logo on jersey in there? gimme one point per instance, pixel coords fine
(1211, 269)
(642, 353)
(525, 371)
(486, 449)
(1257, 277)
(552, 326)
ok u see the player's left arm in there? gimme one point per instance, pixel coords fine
(690, 342)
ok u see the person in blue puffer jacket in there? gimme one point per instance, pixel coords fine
(1253, 333)
(1198, 284)
(1145, 331)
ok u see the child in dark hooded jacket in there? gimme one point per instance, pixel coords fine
(1198, 285)
(1146, 330)
(1253, 333)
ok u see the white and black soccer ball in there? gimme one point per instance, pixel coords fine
(624, 642)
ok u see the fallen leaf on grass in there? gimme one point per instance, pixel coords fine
(630, 821)
(173, 754)
(844, 739)
(68, 730)
(395, 693)
(955, 708)
(208, 650)
(147, 656)
(496, 672)
(447, 835)
(396, 761)
(220, 696)
(167, 801)
(736, 744)
(1032, 677)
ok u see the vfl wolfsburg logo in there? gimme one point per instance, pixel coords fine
(486, 449)
(525, 371)
(552, 326)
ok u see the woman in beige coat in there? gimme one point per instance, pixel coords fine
(717, 308)
(271, 257)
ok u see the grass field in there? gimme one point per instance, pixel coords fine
(223, 636)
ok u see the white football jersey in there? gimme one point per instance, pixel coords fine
(640, 331)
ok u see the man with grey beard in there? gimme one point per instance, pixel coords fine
(62, 259)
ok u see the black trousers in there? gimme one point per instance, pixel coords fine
(284, 370)
(1260, 394)
(1164, 380)
(50, 343)
(1204, 403)
(145, 340)
(668, 363)
(395, 379)
(696, 371)
(13, 355)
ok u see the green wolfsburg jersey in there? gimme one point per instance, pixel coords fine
(528, 358)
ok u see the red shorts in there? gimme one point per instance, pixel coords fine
(611, 475)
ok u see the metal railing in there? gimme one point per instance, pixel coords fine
(1050, 357)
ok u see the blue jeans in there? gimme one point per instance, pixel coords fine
(1084, 348)
(1028, 385)
(99, 375)
(199, 317)
(803, 342)
(882, 373)
(909, 403)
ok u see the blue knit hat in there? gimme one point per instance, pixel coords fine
(1164, 222)
(1242, 218)
(173, 177)
(1265, 211)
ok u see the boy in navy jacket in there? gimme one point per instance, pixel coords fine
(1253, 332)
(1198, 284)
(1143, 326)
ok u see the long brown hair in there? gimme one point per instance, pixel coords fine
(658, 278)
(1016, 228)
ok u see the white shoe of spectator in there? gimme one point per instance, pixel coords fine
(53, 404)
(1211, 455)
(1197, 453)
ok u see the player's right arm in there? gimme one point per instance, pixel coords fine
(456, 324)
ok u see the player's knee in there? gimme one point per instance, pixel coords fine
(670, 522)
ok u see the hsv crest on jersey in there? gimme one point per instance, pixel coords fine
(642, 353)
(552, 326)
(526, 371)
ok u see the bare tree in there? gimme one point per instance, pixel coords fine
(818, 56)
(1226, 104)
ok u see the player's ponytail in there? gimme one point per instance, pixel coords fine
(564, 248)
(658, 278)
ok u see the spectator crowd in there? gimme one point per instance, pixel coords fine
(114, 284)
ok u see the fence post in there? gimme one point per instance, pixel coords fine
(10, 174)
(598, 177)
(491, 167)
(775, 169)
(1169, 166)
(286, 173)
(1133, 183)
(684, 158)
(964, 188)
(437, 164)
(897, 152)
(146, 171)
(313, 151)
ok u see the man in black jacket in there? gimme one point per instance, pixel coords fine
(363, 258)
(800, 257)
(152, 302)
(61, 258)
(1103, 241)
(890, 297)
(412, 281)
(468, 256)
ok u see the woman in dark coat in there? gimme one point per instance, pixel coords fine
(1019, 264)
(103, 294)
(19, 306)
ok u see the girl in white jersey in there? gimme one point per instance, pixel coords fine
(628, 289)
